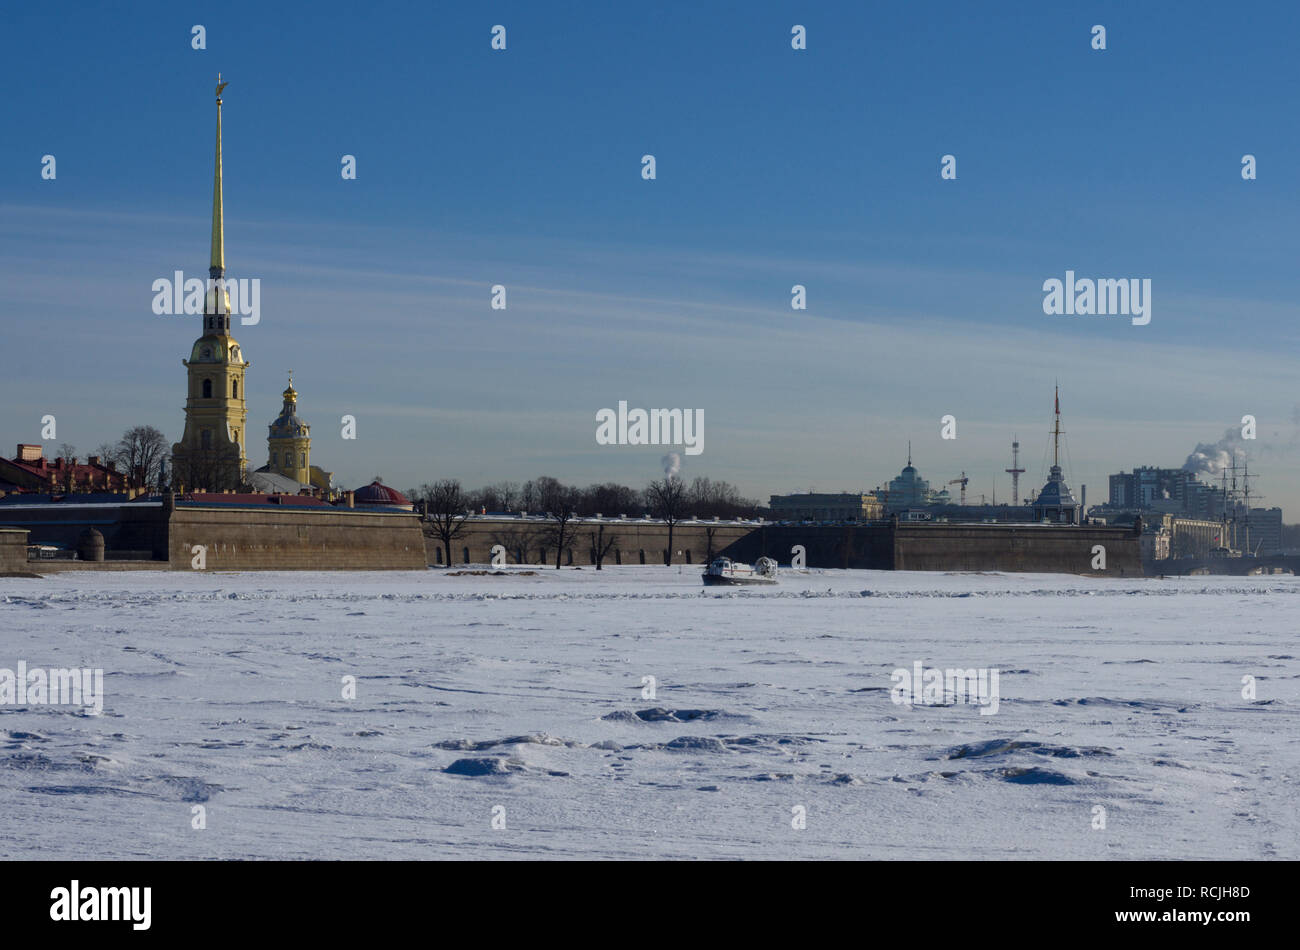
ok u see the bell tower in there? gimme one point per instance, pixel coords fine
(288, 442)
(210, 455)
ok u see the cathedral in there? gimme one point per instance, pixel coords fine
(289, 447)
(211, 455)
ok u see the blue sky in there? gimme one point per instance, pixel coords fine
(775, 167)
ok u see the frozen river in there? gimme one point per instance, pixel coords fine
(508, 717)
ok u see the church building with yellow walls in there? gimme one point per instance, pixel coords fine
(289, 449)
(211, 455)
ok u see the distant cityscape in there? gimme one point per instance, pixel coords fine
(1181, 515)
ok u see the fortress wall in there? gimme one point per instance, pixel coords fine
(862, 547)
(137, 526)
(948, 547)
(321, 539)
(524, 540)
(63, 567)
(269, 538)
(13, 550)
(909, 547)
(1065, 549)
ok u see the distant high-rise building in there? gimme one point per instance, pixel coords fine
(1166, 490)
(1260, 533)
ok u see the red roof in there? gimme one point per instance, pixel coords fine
(377, 493)
(36, 473)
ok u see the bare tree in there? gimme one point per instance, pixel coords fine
(106, 452)
(68, 455)
(446, 507)
(528, 496)
(503, 496)
(719, 498)
(610, 499)
(560, 503)
(141, 452)
(709, 532)
(208, 470)
(667, 500)
(518, 541)
(601, 544)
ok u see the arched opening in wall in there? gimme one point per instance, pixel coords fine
(437, 554)
(618, 556)
(568, 557)
(541, 555)
(519, 556)
(643, 555)
(465, 554)
(207, 389)
(688, 555)
(234, 389)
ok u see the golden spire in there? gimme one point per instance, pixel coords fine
(217, 265)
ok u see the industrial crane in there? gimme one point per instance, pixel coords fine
(962, 482)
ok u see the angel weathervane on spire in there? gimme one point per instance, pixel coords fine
(220, 85)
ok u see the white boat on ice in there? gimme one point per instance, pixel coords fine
(724, 571)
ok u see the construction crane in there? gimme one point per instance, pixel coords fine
(962, 482)
(1015, 471)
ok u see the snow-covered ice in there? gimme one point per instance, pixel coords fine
(525, 692)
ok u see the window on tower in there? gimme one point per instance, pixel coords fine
(207, 389)
(205, 438)
(234, 389)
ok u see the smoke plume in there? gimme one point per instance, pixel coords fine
(1212, 458)
(672, 463)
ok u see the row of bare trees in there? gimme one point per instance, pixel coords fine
(447, 505)
(704, 496)
(140, 454)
